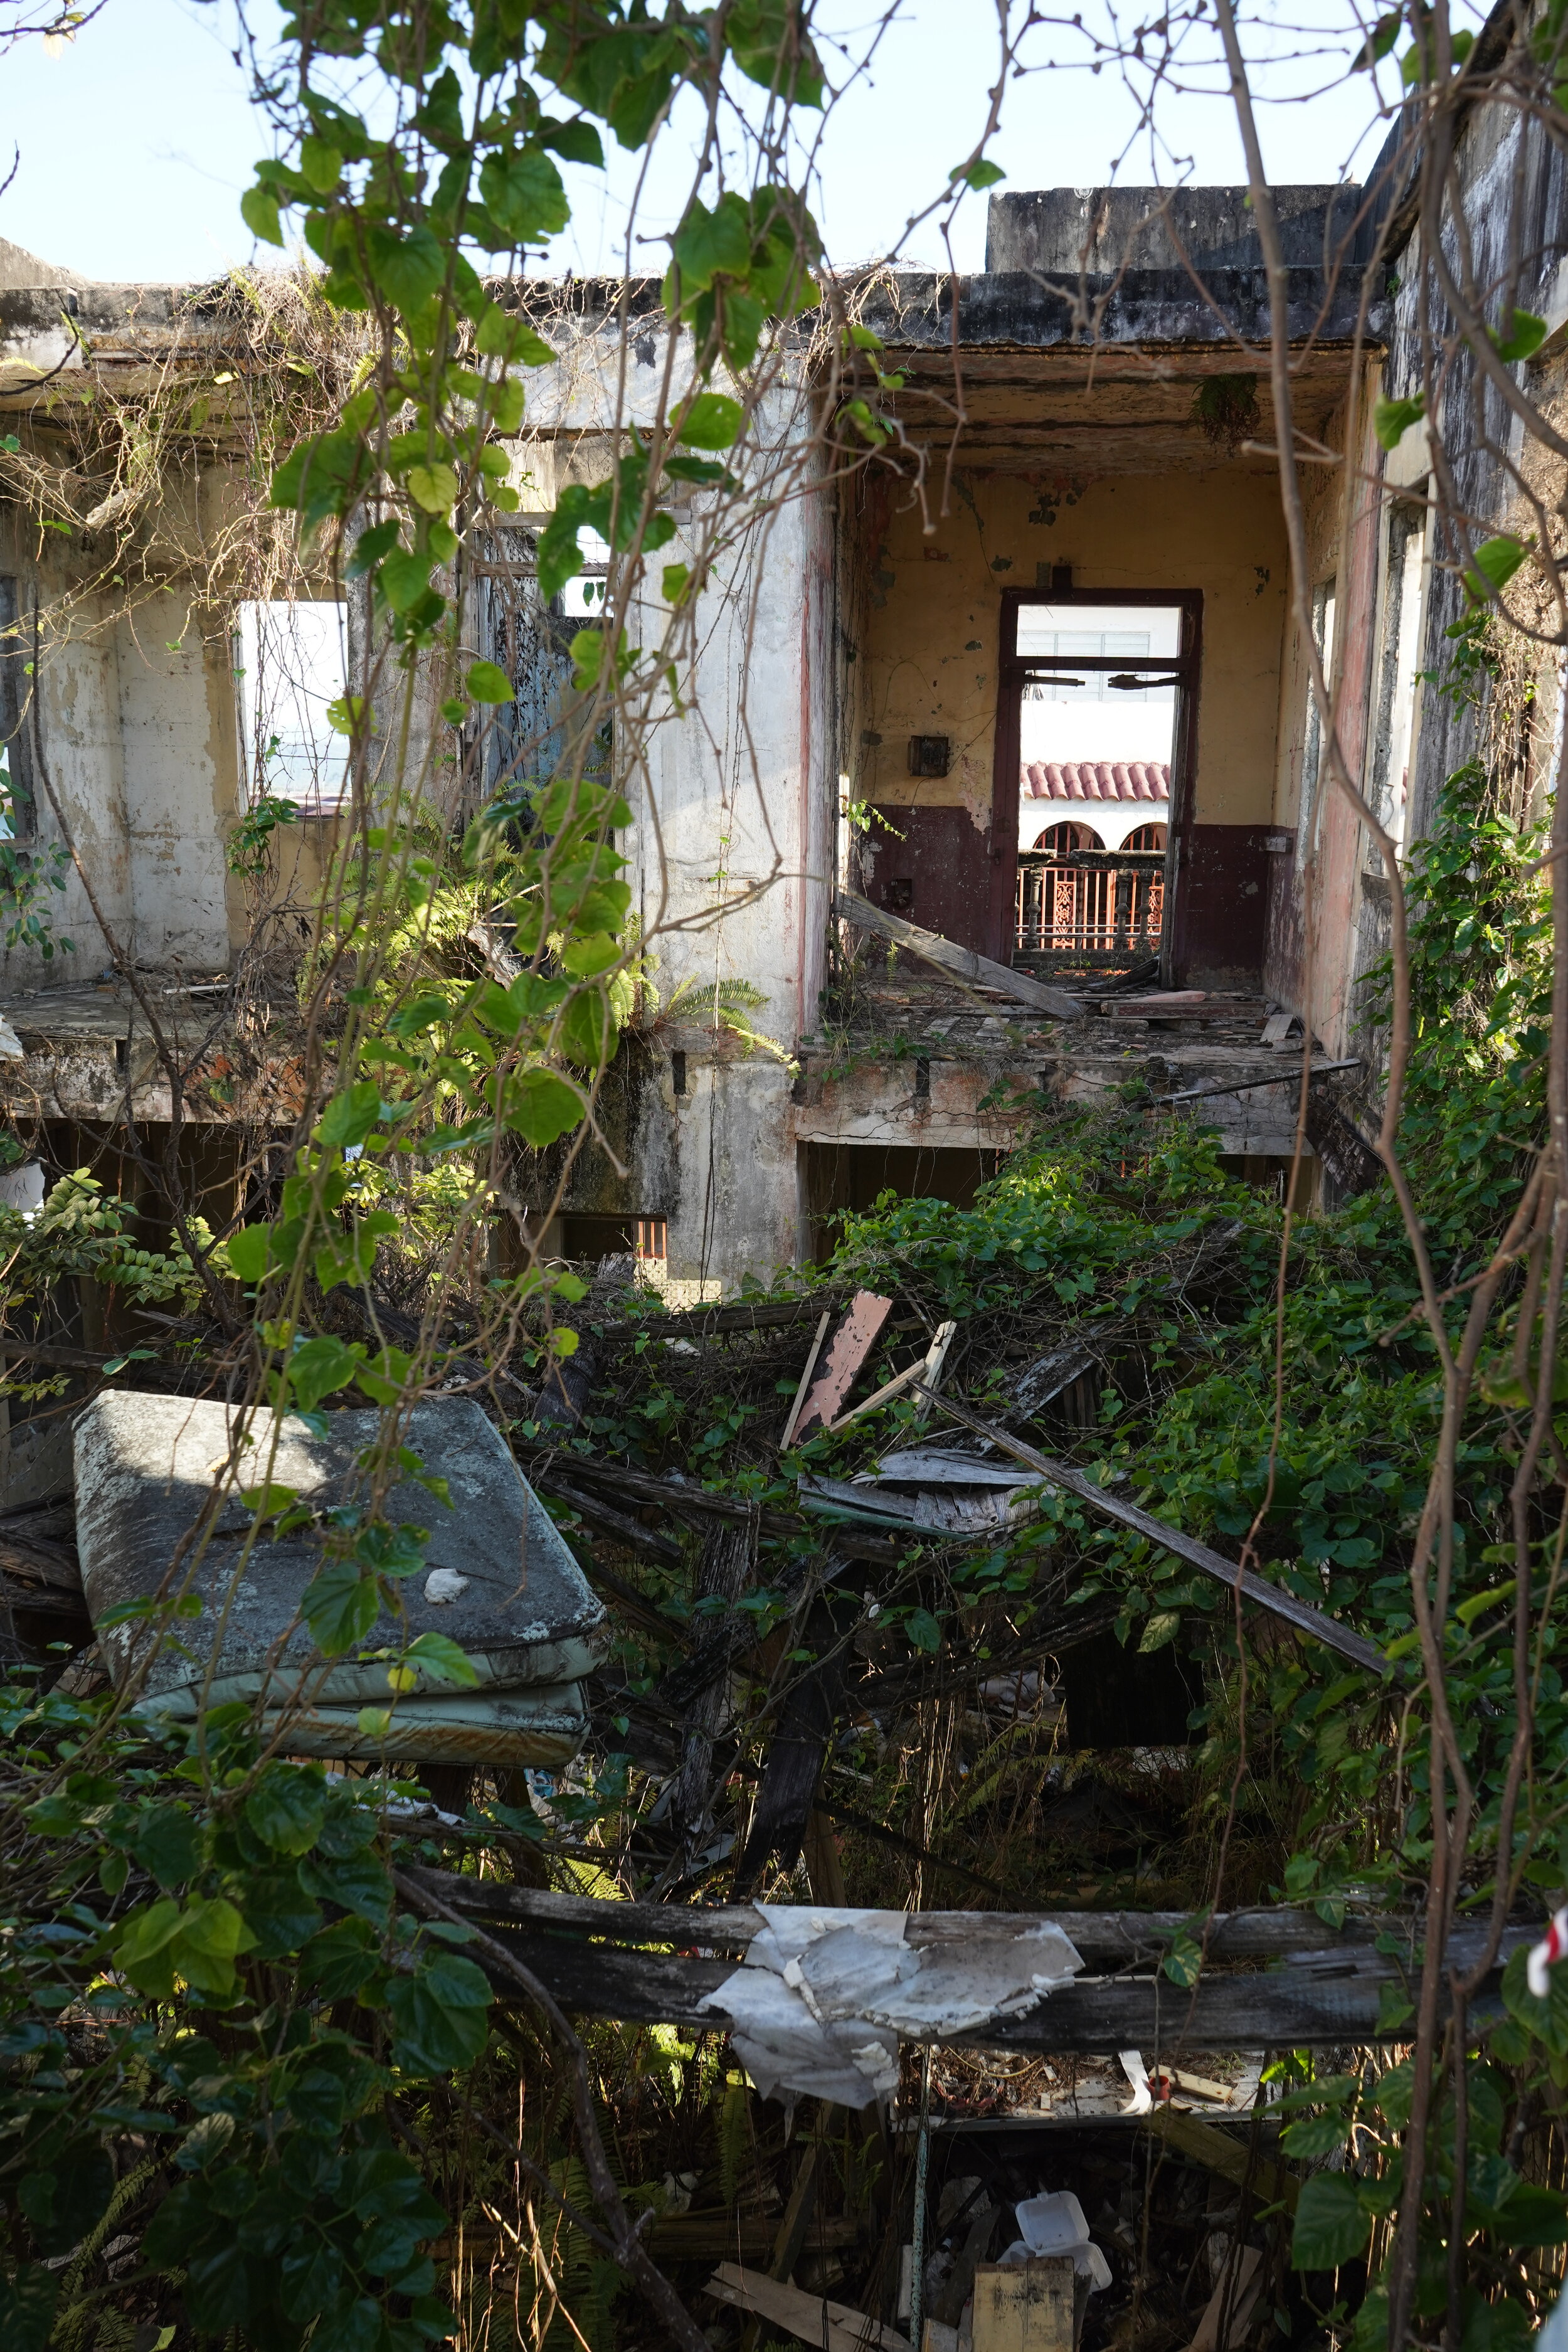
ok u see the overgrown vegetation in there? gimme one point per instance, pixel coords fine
(257, 2085)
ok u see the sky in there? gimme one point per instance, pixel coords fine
(134, 140)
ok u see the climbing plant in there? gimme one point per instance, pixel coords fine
(226, 2012)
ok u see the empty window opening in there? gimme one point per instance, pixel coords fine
(538, 735)
(650, 1238)
(1323, 602)
(583, 597)
(838, 1179)
(1069, 836)
(1278, 1175)
(1403, 611)
(1098, 689)
(587, 1238)
(291, 666)
(18, 808)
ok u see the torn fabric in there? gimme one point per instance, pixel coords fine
(824, 1997)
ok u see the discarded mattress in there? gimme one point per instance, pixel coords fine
(823, 1998)
(497, 1578)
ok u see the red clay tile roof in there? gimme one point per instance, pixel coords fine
(1095, 780)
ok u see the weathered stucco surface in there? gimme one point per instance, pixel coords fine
(930, 650)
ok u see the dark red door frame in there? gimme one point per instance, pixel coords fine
(1014, 675)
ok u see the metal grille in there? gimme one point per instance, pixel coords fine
(1081, 907)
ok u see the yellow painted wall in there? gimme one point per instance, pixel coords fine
(930, 652)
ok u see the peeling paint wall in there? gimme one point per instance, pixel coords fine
(181, 788)
(931, 647)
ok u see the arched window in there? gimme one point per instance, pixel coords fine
(1070, 836)
(1146, 836)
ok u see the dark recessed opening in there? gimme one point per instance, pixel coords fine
(587, 1238)
(1118, 1697)
(677, 1074)
(840, 1176)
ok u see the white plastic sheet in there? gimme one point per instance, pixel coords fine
(824, 1996)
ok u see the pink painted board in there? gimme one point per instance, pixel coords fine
(841, 1359)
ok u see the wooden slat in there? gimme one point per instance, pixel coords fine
(1226, 2154)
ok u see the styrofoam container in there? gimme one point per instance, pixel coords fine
(1053, 2223)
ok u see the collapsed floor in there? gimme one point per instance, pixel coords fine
(840, 1679)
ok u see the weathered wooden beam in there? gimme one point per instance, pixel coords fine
(1328, 1990)
(1255, 1588)
(1230, 2157)
(1291, 2007)
(713, 1322)
(962, 963)
(1106, 1938)
(614, 1524)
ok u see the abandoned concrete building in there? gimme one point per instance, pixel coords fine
(1055, 713)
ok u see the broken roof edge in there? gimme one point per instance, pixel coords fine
(1020, 309)
(1023, 310)
(1118, 225)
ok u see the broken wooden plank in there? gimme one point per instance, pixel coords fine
(727, 1566)
(928, 1370)
(830, 2326)
(841, 1359)
(1228, 2311)
(1226, 2154)
(787, 1791)
(626, 1532)
(940, 1465)
(790, 2239)
(1150, 1009)
(947, 956)
(787, 1435)
(1255, 1588)
(1041, 1383)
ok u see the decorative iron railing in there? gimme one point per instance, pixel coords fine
(1090, 908)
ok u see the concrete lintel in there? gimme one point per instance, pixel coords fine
(927, 1134)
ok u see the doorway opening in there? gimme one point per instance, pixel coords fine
(1091, 760)
(837, 1177)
